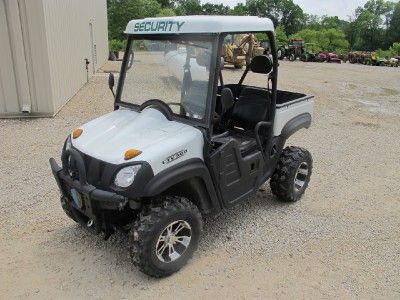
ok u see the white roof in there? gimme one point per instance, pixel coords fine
(199, 24)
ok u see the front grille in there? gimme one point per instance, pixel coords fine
(98, 173)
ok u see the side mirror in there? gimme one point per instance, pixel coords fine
(261, 64)
(111, 82)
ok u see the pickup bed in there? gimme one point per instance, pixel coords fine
(290, 105)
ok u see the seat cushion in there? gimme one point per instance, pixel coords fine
(246, 140)
(251, 108)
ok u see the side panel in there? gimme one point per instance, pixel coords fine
(286, 113)
(236, 177)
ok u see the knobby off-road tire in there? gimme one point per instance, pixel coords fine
(151, 230)
(292, 174)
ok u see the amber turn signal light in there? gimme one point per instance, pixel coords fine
(131, 153)
(77, 133)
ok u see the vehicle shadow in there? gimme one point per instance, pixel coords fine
(80, 244)
(257, 209)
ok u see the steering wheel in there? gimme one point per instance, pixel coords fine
(160, 106)
(183, 109)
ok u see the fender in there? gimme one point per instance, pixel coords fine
(295, 124)
(187, 170)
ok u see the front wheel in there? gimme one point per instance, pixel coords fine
(165, 236)
(292, 174)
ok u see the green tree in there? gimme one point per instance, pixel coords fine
(239, 9)
(369, 29)
(281, 12)
(394, 27)
(166, 3)
(325, 39)
(312, 22)
(166, 12)
(335, 40)
(120, 12)
(215, 9)
(380, 8)
(395, 49)
(188, 7)
(280, 35)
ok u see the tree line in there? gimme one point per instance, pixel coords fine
(376, 25)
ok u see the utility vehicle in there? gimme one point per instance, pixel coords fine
(182, 142)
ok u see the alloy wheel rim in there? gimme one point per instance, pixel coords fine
(301, 176)
(173, 241)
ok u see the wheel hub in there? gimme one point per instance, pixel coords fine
(173, 241)
(301, 176)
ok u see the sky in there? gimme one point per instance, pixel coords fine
(340, 8)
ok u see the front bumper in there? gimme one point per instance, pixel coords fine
(83, 196)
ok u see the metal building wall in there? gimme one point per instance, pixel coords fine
(69, 43)
(42, 51)
(23, 69)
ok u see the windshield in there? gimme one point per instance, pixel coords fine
(174, 71)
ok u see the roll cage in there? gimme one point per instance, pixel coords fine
(206, 125)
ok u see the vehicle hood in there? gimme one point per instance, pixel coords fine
(108, 138)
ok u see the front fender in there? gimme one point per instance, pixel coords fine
(186, 170)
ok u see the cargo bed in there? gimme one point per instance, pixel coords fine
(290, 105)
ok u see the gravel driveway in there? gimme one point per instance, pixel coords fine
(341, 241)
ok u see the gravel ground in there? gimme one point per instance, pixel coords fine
(341, 241)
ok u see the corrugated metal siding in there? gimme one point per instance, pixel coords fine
(36, 53)
(43, 47)
(8, 89)
(69, 43)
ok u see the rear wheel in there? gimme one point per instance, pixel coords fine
(292, 174)
(165, 236)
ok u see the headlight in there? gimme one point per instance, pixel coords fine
(126, 176)
(68, 143)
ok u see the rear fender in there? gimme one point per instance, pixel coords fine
(295, 124)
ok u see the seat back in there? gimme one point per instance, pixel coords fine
(227, 102)
(261, 64)
(251, 108)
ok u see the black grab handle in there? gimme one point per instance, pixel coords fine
(257, 133)
(79, 162)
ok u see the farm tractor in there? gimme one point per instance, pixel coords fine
(375, 60)
(328, 57)
(295, 49)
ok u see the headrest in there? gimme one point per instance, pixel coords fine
(227, 99)
(261, 64)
